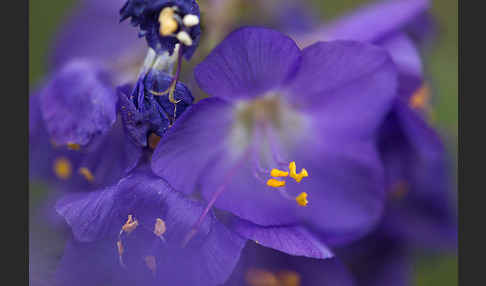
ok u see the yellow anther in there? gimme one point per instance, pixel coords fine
(119, 246)
(302, 199)
(420, 98)
(303, 173)
(297, 177)
(278, 173)
(62, 168)
(258, 277)
(275, 183)
(292, 168)
(150, 262)
(86, 173)
(288, 278)
(73, 146)
(159, 228)
(168, 25)
(130, 225)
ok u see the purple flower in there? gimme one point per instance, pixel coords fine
(415, 162)
(43, 155)
(78, 107)
(76, 140)
(132, 233)
(419, 211)
(145, 112)
(165, 23)
(275, 108)
(75, 168)
(81, 111)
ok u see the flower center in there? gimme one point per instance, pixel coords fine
(270, 111)
(254, 138)
(268, 124)
(266, 109)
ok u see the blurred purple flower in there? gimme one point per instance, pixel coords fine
(272, 104)
(419, 211)
(132, 233)
(76, 140)
(412, 151)
(92, 53)
(78, 103)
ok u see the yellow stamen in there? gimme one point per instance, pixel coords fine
(62, 168)
(160, 227)
(73, 146)
(278, 173)
(288, 278)
(420, 98)
(150, 262)
(297, 177)
(292, 168)
(258, 277)
(168, 25)
(130, 225)
(302, 199)
(86, 173)
(119, 245)
(275, 183)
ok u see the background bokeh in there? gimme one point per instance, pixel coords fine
(441, 64)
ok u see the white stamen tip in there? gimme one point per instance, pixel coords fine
(184, 38)
(190, 20)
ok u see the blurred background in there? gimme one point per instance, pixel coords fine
(441, 65)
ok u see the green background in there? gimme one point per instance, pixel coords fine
(441, 65)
